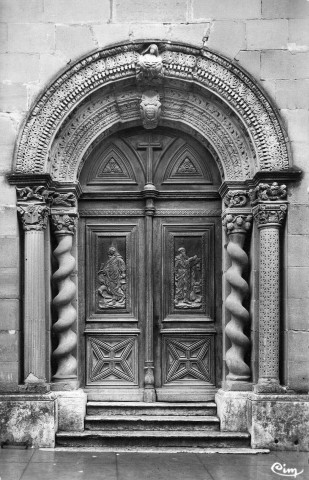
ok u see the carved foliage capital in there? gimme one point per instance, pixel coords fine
(266, 192)
(270, 214)
(33, 216)
(237, 223)
(236, 198)
(64, 223)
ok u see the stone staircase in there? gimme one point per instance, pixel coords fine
(134, 425)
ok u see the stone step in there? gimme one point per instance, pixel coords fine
(157, 409)
(151, 422)
(154, 438)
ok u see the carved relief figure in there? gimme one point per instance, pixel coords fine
(149, 66)
(187, 280)
(112, 277)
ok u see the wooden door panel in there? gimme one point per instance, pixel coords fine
(112, 272)
(187, 283)
(112, 359)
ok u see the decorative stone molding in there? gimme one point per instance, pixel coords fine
(236, 198)
(207, 70)
(233, 148)
(265, 192)
(33, 216)
(25, 194)
(150, 108)
(58, 199)
(149, 65)
(64, 228)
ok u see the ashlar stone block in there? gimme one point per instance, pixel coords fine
(220, 31)
(226, 9)
(285, 8)
(31, 37)
(27, 71)
(3, 37)
(279, 422)
(276, 64)
(297, 220)
(292, 94)
(232, 410)
(298, 282)
(250, 61)
(298, 251)
(9, 373)
(71, 410)
(297, 123)
(12, 11)
(74, 41)
(110, 33)
(9, 319)
(139, 11)
(267, 34)
(77, 11)
(13, 97)
(29, 419)
(51, 66)
(299, 31)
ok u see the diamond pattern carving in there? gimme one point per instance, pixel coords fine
(188, 359)
(112, 359)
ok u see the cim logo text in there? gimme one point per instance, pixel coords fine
(282, 470)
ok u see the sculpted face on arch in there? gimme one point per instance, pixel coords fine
(200, 92)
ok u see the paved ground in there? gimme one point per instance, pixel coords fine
(95, 465)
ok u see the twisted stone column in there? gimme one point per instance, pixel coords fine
(64, 229)
(237, 227)
(269, 212)
(34, 219)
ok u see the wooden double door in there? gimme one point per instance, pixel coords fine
(151, 287)
(150, 248)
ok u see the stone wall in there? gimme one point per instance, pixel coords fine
(269, 38)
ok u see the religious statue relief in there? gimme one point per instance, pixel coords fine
(112, 277)
(188, 281)
(150, 65)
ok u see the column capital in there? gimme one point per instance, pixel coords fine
(268, 192)
(64, 223)
(33, 215)
(237, 222)
(236, 198)
(269, 214)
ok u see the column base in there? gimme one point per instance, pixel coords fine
(64, 385)
(150, 395)
(71, 410)
(232, 410)
(236, 386)
(268, 386)
(279, 422)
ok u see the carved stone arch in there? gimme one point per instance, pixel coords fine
(199, 73)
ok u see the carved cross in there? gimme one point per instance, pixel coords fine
(149, 146)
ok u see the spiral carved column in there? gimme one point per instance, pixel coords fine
(34, 220)
(64, 229)
(237, 227)
(269, 213)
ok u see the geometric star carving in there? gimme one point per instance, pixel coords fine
(188, 360)
(112, 360)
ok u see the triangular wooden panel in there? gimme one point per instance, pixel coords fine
(186, 167)
(113, 167)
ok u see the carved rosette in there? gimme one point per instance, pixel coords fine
(33, 216)
(269, 209)
(64, 228)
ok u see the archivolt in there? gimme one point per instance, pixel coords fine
(206, 72)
